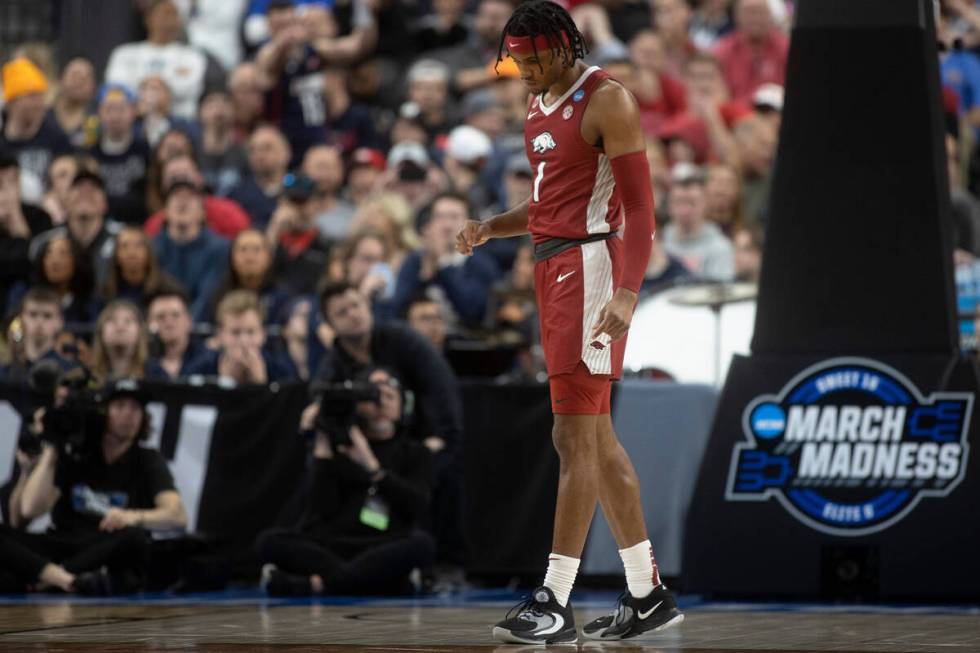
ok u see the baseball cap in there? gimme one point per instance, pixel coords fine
(297, 187)
(367, 157)
(88, 175)
(468, 145)
(768, 96)
(115, 90)
(127, 388)
(686, 173)
(408, 151)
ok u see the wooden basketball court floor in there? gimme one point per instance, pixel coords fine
(251, 624)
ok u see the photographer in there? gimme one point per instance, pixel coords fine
(103, 491)
(371, 488)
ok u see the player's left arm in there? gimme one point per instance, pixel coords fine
(614, 117)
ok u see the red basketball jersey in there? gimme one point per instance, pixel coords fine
(574, 195)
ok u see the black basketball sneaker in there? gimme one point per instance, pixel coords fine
(633, 617)
(538, 620)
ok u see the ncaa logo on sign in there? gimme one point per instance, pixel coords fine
(543, 142)
(850, 446)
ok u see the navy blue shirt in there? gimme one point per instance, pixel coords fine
(35, 154)
(277, 368)
(125, 180)
(155, 370)
(198, 265)
(466, 286)
(296, 103)
(254, 201)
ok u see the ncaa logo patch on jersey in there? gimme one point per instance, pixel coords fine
(543, 142)
(579, 94)
(567, 112)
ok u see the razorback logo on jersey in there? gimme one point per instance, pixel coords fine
(543, 142)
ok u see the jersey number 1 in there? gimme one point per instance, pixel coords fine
(537, 181)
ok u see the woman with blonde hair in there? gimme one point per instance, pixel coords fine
(391, 215)
(121, 342)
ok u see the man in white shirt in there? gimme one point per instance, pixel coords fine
(181, 66)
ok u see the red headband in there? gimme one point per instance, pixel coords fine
(524, 45)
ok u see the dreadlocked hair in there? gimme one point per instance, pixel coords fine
(545, 18)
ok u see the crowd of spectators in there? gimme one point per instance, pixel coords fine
(268, 191)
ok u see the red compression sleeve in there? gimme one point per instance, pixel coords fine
(632, 175)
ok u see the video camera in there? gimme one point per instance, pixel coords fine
(338, 408)
(74, 425)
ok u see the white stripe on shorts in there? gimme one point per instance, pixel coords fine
(597, 279)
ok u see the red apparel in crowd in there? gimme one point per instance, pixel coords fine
(224, 217)
(746, 66)
(691, 128)
(672, 101)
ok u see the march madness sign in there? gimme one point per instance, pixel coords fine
(850, 447)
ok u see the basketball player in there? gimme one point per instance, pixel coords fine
(583, 139)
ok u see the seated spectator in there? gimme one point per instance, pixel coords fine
(223, 216)
(390, 215)
(370, 491)
(242, 358)
(60, 266)
(332, 213)
(723, 197)
(40, 323)
(169, 322)
(755, 143)
(295, 334)
(467, 151)
(120, 343)
(72, 108)
(268, 160)
(698, 243)
(248, 100)
(437, 270)
(413, 175)
(428, 87)
(28, 130)
(351, 124)
(512, 303)
(187, 249)
(755, 52)
(367, 267)
(122, 155)
(250, 268)
(671, 19)
(301, 253)
(663, 271)
(135, 273)
(87, 224)
(425, 316)
(183, 67)
(173, 143)
(364, 173)
(748, 243)
(92, 549)
(19, 223)
(223, 159)
(58, 183)
(154, 103)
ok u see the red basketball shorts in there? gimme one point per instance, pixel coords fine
(572, 288)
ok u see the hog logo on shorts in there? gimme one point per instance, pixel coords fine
(543, 142)
(850, 446)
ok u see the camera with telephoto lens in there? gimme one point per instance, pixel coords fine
(73, 426)
(338, 408)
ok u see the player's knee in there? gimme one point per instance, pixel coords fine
(574, 445)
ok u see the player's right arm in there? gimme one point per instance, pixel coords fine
(510, 223)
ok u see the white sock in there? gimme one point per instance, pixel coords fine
(561, 576)
(642, 574)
